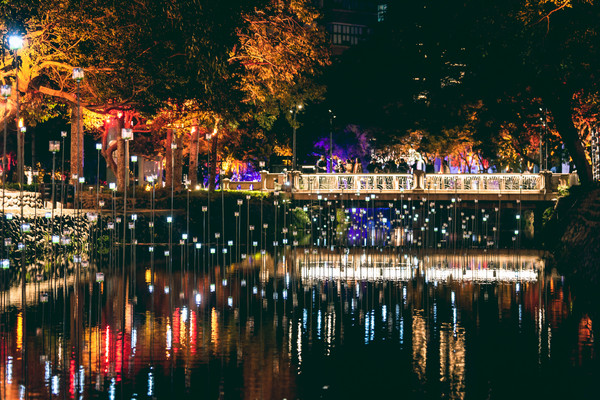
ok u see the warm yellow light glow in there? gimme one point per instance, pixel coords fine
(19, 331)
(214, 327)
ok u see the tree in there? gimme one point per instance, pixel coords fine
(435, 58)
(194, 61)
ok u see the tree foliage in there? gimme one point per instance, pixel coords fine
(181, 63)
(431, 63)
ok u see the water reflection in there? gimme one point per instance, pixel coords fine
(302, 325)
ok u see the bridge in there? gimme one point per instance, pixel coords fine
(524, 187)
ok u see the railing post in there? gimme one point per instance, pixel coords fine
(296, 180)
(263, 180)
(520, 182)
(419, 178)
(546, 182)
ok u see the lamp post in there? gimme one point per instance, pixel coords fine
(63, 135)
(54, 147)
(331, 118)
(134, 160)
(78, 75)
(170, 219)
(5, 91)
(294, 111)
(207, 236)
(15, 43)
(126, 135)
(99, 148)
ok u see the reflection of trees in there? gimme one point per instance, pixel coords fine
(262, 342)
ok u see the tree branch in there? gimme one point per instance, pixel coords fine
(58, 93)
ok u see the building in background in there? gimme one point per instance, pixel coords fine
(350, 22)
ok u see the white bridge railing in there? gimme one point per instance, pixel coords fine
(408, 182)
(545, 182)
(485, 182)
(354, 182)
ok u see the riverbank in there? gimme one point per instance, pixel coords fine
(572, 234)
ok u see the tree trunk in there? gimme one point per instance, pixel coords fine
(178, 166)
(76, 143)
(169, 159)
(110, 129)
(193, 171)
(562, 112)
(213, 163)
(120, 161)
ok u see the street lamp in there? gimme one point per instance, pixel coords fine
(78, 75)
(331, 118)
(54, 148)
(5, 91)
(294, 111)
(126, 135)
(15, 42)
(99, 149)
(134, 160)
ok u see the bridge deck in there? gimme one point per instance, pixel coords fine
(484, 187)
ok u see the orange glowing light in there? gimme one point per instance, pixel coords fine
(214, 327)
(176, 326)
(107, 347)
(182, 334)
(193, 331)
(19, 331)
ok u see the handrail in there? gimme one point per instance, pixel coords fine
(541, 183)
(485, 182)
(354, 182)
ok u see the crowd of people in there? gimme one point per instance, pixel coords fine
(378, 165)
(339, 166)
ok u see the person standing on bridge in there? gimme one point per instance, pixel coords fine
(444, 168)
(357, 166)
(403, 167)
(322, 165)
(349, 167)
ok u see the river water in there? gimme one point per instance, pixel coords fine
(304, 325)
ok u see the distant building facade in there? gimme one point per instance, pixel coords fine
(350, 22)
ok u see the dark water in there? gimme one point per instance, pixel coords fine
(311, 325)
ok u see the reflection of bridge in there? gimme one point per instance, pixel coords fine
(534, 187)
(434, 267)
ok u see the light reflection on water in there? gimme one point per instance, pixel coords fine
(312, 324)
